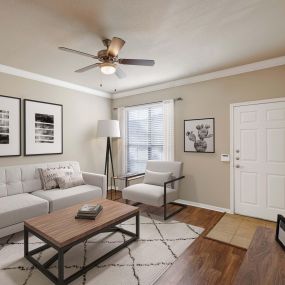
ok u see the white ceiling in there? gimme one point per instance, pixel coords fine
(184, 37)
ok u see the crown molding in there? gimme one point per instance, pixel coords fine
(52, 81)
(269, 63)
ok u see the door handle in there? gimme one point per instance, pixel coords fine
(237, 166)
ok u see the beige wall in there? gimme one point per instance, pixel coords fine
(80, 114)
(207, 178)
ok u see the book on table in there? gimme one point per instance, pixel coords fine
(89, 212)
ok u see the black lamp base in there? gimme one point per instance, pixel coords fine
(109, 158)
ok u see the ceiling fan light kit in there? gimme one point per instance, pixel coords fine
(108, 68)
(108, 58)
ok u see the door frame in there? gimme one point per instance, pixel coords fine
(232, 107)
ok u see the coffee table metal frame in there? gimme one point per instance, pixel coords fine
(59, 256)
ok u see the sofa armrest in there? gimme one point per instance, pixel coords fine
(99, 180)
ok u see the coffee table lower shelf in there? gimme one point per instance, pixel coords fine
(59, 256)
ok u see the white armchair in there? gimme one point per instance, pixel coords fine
(160, 186)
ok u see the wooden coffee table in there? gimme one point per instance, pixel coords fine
(61, 231)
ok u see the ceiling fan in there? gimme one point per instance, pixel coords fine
(108, 58)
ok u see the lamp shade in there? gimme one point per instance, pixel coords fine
(108, 128)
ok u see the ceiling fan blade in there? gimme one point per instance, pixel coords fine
(145, 62)
(115, 46)
(78, 52)
(87, 67)
(120, 73)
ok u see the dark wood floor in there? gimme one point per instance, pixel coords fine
(205, 261)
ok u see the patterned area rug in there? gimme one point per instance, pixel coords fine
(142, 262)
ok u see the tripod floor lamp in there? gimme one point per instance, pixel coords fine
(108, 129)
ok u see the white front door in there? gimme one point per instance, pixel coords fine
(259, 160)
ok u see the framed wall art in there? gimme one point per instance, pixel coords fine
(43, 128)
(10, 126)
(199, 135)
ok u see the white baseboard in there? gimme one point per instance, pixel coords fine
(199, 205)
(204, 206)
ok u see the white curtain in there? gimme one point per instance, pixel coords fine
(168, 129)
(122, 141)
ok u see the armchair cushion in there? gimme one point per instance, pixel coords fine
(175, 167)
(156, 178)
(149, 194)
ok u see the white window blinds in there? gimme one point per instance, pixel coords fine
(144, 136)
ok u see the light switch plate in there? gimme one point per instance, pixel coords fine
(225, 157)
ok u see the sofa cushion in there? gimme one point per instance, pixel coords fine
(17, 208)
(149, 194)
(59, 199)
(31, 178)
(13, 180)
(3, 185)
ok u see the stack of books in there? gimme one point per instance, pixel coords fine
(89, 212)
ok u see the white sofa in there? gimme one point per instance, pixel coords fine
(22, 197)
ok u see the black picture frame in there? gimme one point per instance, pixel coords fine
(213, 137)
(25, 101)
(280, 220)
(20, 126)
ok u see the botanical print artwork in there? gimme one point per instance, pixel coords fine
(4, 127)
(200, 143)
(44, 128)
(199, 135)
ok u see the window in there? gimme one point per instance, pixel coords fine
(144, 136)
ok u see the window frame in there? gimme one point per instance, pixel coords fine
(149, 148)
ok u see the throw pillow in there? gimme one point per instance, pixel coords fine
(49, 175)
(156, 178)
(65, 182)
